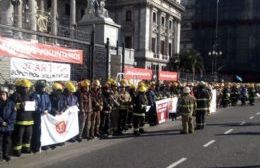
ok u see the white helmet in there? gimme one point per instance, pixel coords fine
(4, 89)
(186, 90)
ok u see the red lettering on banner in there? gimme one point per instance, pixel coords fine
(138, 73)
(26, 49)
(61, 127)
(168, 76)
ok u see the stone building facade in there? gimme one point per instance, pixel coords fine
(151, 28)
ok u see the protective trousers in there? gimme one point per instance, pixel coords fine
(95, 124)
(138, 122)
(36, 133)
(105, 123)
(5, 144)
(84, 125)
(122, 120)
(22, 139)
(187, 123)
(200, 119)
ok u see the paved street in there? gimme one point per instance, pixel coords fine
(230, 140)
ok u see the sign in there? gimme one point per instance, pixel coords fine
(168, 76)
(33, 50)
(30, 106)
(173, 105)
(138, 73)
(162, 109)
(60, 128)
(36, 70)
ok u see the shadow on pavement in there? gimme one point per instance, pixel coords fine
(234, 124)
(240, 133)
(253, 166)
(146, 134)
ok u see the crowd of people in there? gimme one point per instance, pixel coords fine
(104, 110)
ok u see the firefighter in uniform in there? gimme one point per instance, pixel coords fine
(152, 116)
(203, 96)
(7, 121)
(58, 100)
(140, 110)
(125, 101)
(226, 95)
(114, 113)
(24, 119)
(85, 107)
(186, 107)
(97, 105)
(43, 103)
(132, 92)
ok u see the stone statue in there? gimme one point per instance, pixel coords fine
(97, 8)
(101, 10)
(91, 7)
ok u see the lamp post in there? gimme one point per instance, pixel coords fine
(214, 54)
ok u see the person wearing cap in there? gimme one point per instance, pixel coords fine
(85, 107)
(203, 97)
(43, 107)
(97, 105)
(125, 101)
(186, 107)
(24, 118)
(7, 121)
(139, 111)
(108, 104)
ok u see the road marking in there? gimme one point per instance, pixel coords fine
(177, 163)
(242, 123)
(258, 113)
(252, 117)
(209, 143)
(228, 131)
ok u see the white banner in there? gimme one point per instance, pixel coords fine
(213, 103)
(173, 105)
(60, 128)
(38, 70)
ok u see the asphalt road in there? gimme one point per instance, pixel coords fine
(231, 139)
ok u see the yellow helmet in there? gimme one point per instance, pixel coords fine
(124, 82)
(18, 82)
(85, 83)
(70, 87)
(57, 86)
(142, 89)
(96, 83)
(25, 83)
(132, 86)
(141, 83)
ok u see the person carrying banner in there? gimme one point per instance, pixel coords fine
(24, 119)
(7, 121)
(186, 107)
(85, 109)
(58, 100)
(43, 107)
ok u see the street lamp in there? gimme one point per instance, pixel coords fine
(214, 54)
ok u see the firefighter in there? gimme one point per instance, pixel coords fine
(115, 113)
(125, 101)
(97, 105)
(234, 94)
(152, 116)
(106, 111)
(24, 119)
(7, 121)
(243, 95)
(85, 112)
(251, 94)
(186, 107)
(132, 92)
(226, 95)
(140, 110)
(203, 97)
(43, 103)
(57, 99)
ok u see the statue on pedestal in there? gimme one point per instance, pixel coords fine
(97, 8)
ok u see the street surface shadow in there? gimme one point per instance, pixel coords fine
(234, 124)
(240, 133)
(146, 134)
(253, 166)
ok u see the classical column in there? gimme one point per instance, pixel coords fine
(7, 11)
(54, 14)
(178, 37)
(33, 13)
(42, 7)
(72, 17)
(19, 11)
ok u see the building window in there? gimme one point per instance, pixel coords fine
(163, 21)
(170, 24)
(128, 16)
(170, 49)
(67, 9)
(162, 47)
(48, 4)
(154, 17)
(82, 13)
(154, 45)
(128, 42)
